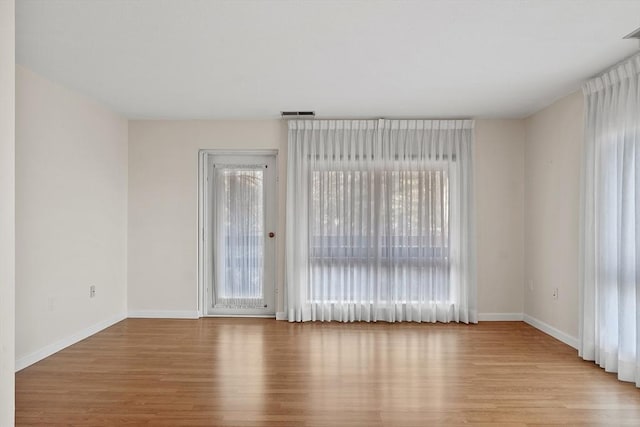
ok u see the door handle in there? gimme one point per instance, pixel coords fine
(272, 234)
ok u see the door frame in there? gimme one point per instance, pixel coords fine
(204, 272)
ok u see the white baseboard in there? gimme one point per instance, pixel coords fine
(550, 330)
(55, 347)
(164, 314)
(281, 315)
(500, 317)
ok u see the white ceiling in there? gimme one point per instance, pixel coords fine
(252, 59)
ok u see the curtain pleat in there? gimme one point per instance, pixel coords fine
(610, 222)
(380, 221)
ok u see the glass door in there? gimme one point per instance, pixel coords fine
(241, 228)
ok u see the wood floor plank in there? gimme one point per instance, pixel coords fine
(261, 372)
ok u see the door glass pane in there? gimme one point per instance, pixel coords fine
(238, 236)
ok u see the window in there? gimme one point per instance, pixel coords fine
(379, 221)
(402, 229)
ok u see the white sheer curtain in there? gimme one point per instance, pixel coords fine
(380, 221)
(238, 247)
(610, 258)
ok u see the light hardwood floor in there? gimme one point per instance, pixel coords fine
(259, 372)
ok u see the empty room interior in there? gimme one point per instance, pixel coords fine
(319, 213)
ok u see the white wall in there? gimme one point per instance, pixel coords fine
(553, 156)
(71, 210)
(7, 210)
(163, 205)
(163, 201)
(499, 187)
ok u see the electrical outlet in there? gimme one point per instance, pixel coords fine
(555, 293)
(92, 291)
(51, 304)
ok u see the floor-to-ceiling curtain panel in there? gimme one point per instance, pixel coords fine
(380, 223)
(610, 229)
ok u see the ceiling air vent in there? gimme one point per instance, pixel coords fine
(298, 114)
(634, 35)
